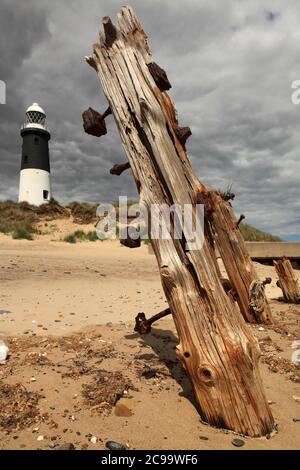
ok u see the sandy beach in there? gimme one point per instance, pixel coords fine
(67, 314)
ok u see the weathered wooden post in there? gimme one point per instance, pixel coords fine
(249, 289)
(287, 280)
(216, 347)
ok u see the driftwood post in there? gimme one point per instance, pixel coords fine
(216, 346)
(287, 280)
(249, 289)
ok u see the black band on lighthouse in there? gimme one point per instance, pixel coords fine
(35, 149)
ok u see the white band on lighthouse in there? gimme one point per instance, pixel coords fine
(35, 186)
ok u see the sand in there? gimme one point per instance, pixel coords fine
(67, 314)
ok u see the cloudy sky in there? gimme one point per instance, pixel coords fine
(231, 64)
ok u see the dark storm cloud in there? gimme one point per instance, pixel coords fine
(23, 26)
(231, 64)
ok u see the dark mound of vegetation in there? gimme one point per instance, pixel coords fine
(83, 212)
(81, 236)
(22, 234)
(52, 210)
(252, 234)
(20, 218)
(15, 217)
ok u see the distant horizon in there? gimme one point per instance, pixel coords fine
(292, 238)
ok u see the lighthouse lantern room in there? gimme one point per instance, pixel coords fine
(35, 184)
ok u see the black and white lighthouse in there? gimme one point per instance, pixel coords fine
(35, 184)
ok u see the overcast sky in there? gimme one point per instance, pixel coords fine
(231, 64)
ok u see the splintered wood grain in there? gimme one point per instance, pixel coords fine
(216, 346)
(287, 280)
(236, 259)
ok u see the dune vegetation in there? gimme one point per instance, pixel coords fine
(21, 220)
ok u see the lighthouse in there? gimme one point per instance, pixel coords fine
(35, 184)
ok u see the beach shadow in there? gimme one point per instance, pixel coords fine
(163, 343)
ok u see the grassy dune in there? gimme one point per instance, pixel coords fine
(21, 219)
(252, 234)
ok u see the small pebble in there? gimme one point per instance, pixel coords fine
(40, 438)
(111, 445)
(238, 442)
(67, 446)
(203, 438)
(94, 440)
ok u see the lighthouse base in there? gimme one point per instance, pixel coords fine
(35, 186)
